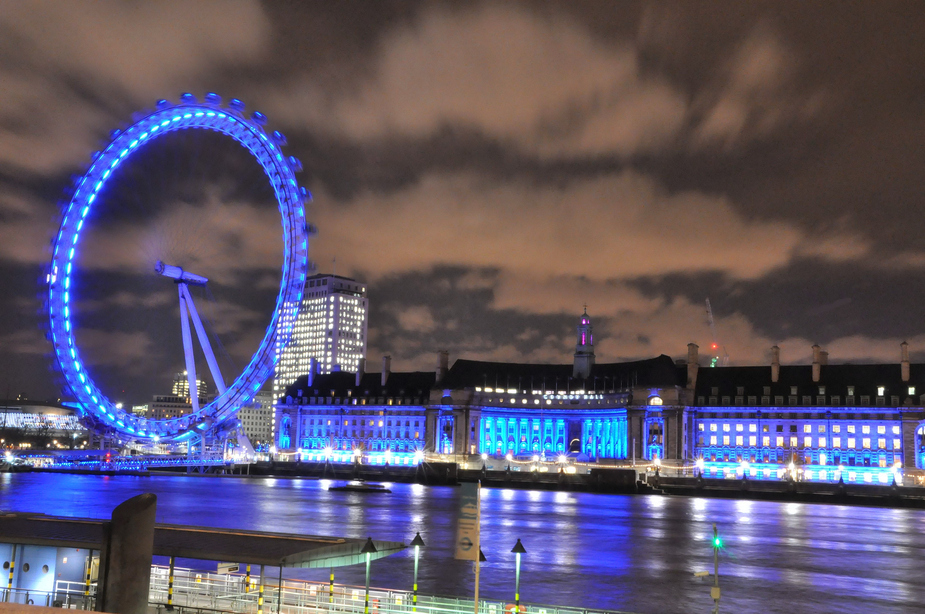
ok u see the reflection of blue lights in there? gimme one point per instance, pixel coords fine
(803, 473)
(188, 115)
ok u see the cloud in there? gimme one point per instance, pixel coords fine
(544, 84)
(603, 228)
(142, 51)
(415, 318)
(754, 95)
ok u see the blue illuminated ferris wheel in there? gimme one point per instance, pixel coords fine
(97, 410)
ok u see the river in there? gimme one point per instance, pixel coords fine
(616, 552)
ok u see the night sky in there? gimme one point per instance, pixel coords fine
(488, 169)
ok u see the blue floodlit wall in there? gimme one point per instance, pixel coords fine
(855, 445)
(392, 434)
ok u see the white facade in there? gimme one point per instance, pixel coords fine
(258, 419)
(331, 328)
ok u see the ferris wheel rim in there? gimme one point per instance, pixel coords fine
(280, 170)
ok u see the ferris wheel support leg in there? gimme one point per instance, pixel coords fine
(188, 348)
(204, 341)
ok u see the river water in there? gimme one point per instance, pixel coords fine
(617, 552)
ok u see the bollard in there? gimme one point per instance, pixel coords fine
(170, 586)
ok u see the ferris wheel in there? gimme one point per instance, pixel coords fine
(99, 411)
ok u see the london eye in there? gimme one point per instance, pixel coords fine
(66, 288)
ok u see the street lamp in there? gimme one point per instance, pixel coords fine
(699, 465)
(368, 549)
(417, 542)
(518, 549)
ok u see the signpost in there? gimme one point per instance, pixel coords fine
(467, 529)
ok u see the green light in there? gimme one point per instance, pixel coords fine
(717, 542)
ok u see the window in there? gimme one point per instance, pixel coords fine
(780, 441)
(896, 430)
(865, 429)
(725, 440)
(836, 428)
(881, 443)
(881, 390)
(836, 442)
(793, 390)
(822, 442)
(752, 428)
(865, 443)
(852, 443)
(713, 427)
(740, 428)
(793, 442)
(725, 428)
(850, 391)
(807, 428)
(881, 429)
(850, 428)
(822, 428)
(766, 441)
(808, 442)
(822, 390)
(911, 390)
(752, 440)
(712, 440)
(738, 440)
(700, 426)
(780, 428)
(897, 444)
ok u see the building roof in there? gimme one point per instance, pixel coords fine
(865, 379)
(203, 543)
(652, 372)
(338, 383)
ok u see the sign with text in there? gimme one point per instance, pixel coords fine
(467, 522)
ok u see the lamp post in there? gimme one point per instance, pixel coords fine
(417, 542)
(368, 549)
(518, 549)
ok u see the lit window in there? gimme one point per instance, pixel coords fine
(822, 428)
(700, 426)
(865, 429)
(850, 428)
(739, 428)
(836, 442)
(766, 441)
(852, 442)
(752, 440)
(836, 428)
(807, 442)
(807, 428)
(738, 440)
(822, 442)
(713, 427)
(793, 442)
(725, 428)
(752, 428)
(897, 444)
(866, 443)
(881, 429)
(712, 440)
(725, 440)
(911, 390)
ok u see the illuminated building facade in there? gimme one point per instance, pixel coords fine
(329, 333)
(331, 416)
(181, 386)
(817, 422)
(257, 419)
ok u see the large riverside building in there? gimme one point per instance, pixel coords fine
(29, 424)
(330, 330)
(817, 422)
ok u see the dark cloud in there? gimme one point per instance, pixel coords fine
(487, 168)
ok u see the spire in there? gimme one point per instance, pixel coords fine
(584, 347)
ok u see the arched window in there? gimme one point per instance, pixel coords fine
(655, 400)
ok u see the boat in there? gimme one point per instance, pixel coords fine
(359, 486)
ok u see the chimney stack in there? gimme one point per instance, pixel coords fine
(775, 364)
(361, 369)
(386, 368)
(693, 365)
(817, 362)
(904, 357)
(312, 369)
(443, 364)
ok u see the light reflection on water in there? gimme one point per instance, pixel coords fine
(633, 553)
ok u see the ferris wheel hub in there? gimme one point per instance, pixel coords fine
(175, 272)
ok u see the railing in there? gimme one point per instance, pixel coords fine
(210, 592)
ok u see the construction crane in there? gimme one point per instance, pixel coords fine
(714, 347)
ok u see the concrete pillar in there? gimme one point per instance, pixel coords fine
(775, 364)
(904, 358)
(674, 421)
(635, 429)
(125, 560)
